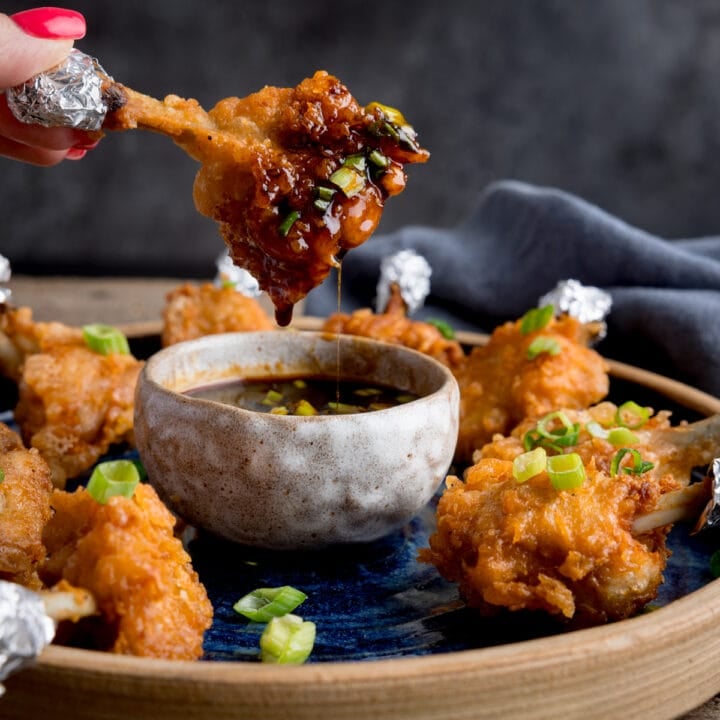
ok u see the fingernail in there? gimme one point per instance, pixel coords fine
(75, 153)
(86, 146)
(51, 23)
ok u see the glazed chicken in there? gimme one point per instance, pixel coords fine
(193, 311)
(295, 177)
(125, 553)
(589, 554)
(394, 326)
(74, 403)
(24, 509)
(501, 383)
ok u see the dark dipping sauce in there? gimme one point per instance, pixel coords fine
(304, 396)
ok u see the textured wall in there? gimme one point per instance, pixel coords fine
(617, 101)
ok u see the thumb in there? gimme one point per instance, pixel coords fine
(23, 54)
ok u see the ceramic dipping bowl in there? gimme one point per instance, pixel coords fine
(287, 481)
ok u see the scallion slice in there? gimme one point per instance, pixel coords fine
(638, 467)
(390, 113)
(529, 464)
(543, 344)
(288, 222)
(565, 434)
(287, 640)
(272, 397)
(263, 604)
(105, 339)
(379, 159)
(2, 475)
(304, 407)
(566, 472)
(631, 415)
(597, 430)
(349, 180)
(621, 436)
(113, 477)
(340, 408)
(536, 319)
(445, 328)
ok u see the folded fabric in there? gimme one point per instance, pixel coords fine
(521, 240)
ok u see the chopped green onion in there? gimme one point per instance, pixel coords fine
(288, 222)
(445, 328)
(321, 205)
(367, 392)
(114, 477)
(325, 193)
(390, 113)
(105, 339)
(340, 408)
(280, 410)
(638, 467)
(272, 397)
(542, 344)
(304, 408)
(356, 162)
(287, 640)
(532, 439)
(350, 181)
(597, 430)
(621, 436)
(565, 435)
(529, 464)
(566, 472)
(403, 398)
(2, 475)
(264, 604)
(379, 159)
(299, 383)
(631, 415)
(536, 319)
(715, 564)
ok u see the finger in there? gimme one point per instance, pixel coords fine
(29, 154)
(24, 55)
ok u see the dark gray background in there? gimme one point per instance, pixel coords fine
(617, 101)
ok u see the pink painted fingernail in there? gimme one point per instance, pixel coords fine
(75, 153)
(51, 23)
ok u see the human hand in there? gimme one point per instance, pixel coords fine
(31, 42)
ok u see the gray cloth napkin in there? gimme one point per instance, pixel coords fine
(521, 240)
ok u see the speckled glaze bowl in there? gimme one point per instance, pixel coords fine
(283, 481)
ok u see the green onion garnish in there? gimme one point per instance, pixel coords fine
(564, 435)
(542, 344)
(367, 392)
(631, 415)
(566, 472)
(390, 113)
(288, 222)
(340, 408)
(272, 397)
(356, 161)
(621, 436)
(299, 383)
(263, 604)
(529, 464)
(279, 410)
(2, 475)
(536, 319)
(105, 339)
(378, 159)
(638, 467)
(715, 564)
(445, 328)
(287, 640)
(114, 477)
(597, 430)
(349, 180)
(304, 407)
(533, 438)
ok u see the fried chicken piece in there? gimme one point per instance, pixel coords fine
(268, 173)
(193, 311)
(584, 554)
(24, 509)
(126, 555)
(394, 326)
(500, 385)
(73, 403)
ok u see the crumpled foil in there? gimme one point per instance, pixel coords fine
(5, 275)
(25, 628)
(411, 273)
(68, 95)
(710, 517)
(228, 273)
(586, 303)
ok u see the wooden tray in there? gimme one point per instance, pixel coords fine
(657, 665)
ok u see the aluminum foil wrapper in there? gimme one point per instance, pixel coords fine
(586, 303)
(25, 628)
(710, 518)
(68, 95)
(411, 273)
(5, 275)
(228, 273)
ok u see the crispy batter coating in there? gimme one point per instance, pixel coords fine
(73, 403)
(192, 311)
(24, 509)
(394, 326)
(126, 555)
(500, 385)
(575, 554)
(264, 158)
